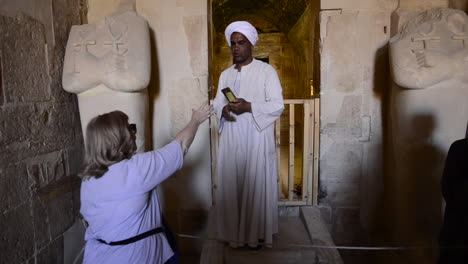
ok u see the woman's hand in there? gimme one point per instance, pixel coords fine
(186, 135)
(202, 113)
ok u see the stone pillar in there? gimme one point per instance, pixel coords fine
(429, 110)
(108, 65)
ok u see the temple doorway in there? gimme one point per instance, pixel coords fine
(287, 37)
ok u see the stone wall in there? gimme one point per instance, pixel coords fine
(357, 191)
(353, 72)
(40, 132)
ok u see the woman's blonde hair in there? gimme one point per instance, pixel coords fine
(108, 141)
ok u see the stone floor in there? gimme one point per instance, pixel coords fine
(291, 232)
(292, 245)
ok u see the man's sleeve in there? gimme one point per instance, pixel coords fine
(266, 112)
(219, 101)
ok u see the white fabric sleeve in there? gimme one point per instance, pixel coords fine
(266, 112)
(220, 101)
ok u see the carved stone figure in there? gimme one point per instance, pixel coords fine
(431, 48)
(429, 110)
(108, 66)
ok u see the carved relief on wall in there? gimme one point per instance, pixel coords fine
(431, 47)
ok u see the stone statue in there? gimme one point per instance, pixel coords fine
(431, 48)
(429, 109)
(108, 66)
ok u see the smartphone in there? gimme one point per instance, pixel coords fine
(229, 94)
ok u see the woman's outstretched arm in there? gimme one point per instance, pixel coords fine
(187, 134)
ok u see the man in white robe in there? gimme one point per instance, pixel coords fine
(246, 195)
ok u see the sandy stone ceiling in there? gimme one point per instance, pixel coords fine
(267, 15)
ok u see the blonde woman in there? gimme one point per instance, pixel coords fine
(118, 193)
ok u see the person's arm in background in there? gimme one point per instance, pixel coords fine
(186, 135)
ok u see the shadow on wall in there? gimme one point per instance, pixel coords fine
(153, 88)
(378, 221)
(424, 191)
(422, 200)
(459, 4)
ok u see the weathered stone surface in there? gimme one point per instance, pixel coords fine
(75, 158)
(60, 212)
(346, 228)
(193, 93)
(2, 93)
(343, 123)
(30, 130)
(76, 201)
(39, 130)
(53, 253)
(66, 13)
(41, 223)
(25, 78)
(344, 193)
(325, 213)
(47, 169)
(197, 38)
(351, 112)
(17, 236)
(342, 161)
(14, 189)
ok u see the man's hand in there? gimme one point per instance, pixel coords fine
(227, 116)
(240, 106)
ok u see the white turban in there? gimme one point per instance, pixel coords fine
(243, 27)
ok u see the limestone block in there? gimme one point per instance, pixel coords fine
(108, 64)
(197, 39)
(430, 48)
(352, 44)
(23, 52)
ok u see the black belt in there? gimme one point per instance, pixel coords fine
(133, 239)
